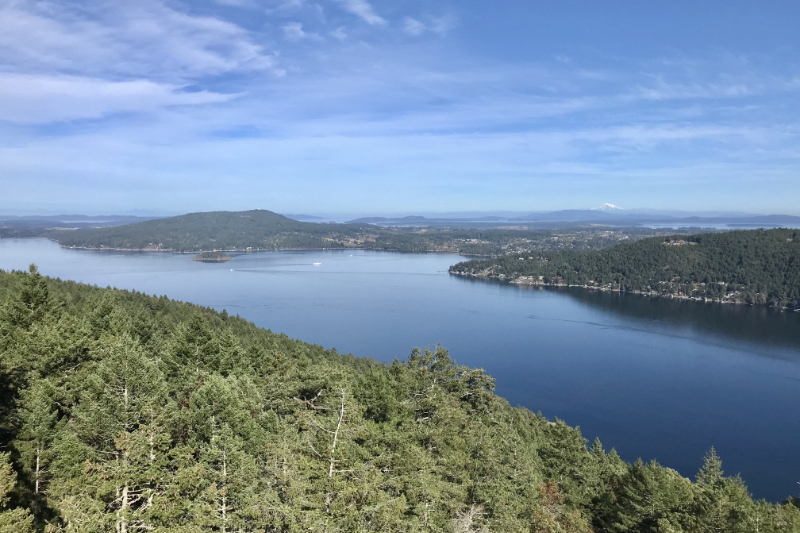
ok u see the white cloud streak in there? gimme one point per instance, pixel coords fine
(61, 62)
(363, 10)
(136, 39)
(34, 99)
(413, 27)
(438, 25)
(245, 4)
(293, 31)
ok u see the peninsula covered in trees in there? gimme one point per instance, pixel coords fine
(757, 266)
(125, 412)
(264, 230)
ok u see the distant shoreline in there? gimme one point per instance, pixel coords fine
(531, 283)
(251, 250)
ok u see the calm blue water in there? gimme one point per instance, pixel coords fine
(652, 378)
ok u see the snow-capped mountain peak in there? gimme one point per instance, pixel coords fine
(607, 207)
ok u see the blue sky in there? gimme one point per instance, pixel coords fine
(372, 106)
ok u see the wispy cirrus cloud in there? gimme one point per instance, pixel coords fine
(363, 10)
(65, 62)
(339, 33)
(293, 31)
(438, 25)
(413, 27)
(143, 38)
(246, 4)
(36, 99)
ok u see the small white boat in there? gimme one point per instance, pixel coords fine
(317, 264)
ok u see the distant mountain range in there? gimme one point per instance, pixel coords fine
(420, 220)
(619, 217)
(608, 208)
(607, 214)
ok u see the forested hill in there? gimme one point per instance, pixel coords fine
(219, 230)
(124, 412)
(755, 266)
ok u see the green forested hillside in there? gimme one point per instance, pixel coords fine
(124, 412)
(755, 266)
(218, 230)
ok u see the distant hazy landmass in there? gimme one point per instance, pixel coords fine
(265, 230)
(605, 215)
(83, 219)
(623, 217)
(25, 226)
(305, 218)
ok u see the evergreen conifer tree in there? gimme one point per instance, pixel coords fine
(13, 520)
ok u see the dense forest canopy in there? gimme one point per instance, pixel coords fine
(265, 230)
(132, 413)
(756, 266)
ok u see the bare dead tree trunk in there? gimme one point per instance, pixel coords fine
(124, 527)
(464, 522)
(151, 440)
(336, 437)
(38, 455)
(123, 494)
(125, 399)
(122, 521)
(224, 506)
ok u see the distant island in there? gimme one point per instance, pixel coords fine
(754, 267)
(212, 257)
(219, 230)
(260, 229)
